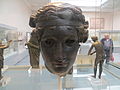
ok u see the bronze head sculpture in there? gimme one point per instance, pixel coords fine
(61, 28)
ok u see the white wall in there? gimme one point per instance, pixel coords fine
(15, 13)
(107, 18)
(116, 21)
(112, 20)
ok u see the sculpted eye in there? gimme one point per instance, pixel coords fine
(49, 42)
(69, 42)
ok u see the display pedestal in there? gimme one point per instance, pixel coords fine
(98, 84)
(4, 81)
(68, 82)
(59, 83)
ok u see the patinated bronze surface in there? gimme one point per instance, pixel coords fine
(61, 28)
(34, 50)
(99, 55)
(2, 47)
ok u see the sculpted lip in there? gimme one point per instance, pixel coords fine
(60, 64)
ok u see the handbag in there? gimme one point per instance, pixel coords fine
(112, 58)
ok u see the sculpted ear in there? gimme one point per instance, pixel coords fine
(32, 21)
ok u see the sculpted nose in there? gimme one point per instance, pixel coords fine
(61, 59)
(60, 53)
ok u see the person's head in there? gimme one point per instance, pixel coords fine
(94, 38)
(61, 28)
(106, 36)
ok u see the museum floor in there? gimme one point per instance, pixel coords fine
(20, 76)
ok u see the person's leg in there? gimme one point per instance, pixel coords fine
(107, 53)
(95, 69)
(1, 74)
(100, 68)
(1, 66)
(107, 56)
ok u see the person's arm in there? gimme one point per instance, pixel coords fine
(92, 53)
(89, 52)
(6, 46)
(112, 45)
(32, 45)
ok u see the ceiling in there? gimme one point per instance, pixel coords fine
(35, 4)
(111, 5)
(107, 6)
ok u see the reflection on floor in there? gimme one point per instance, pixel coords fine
(4, 81)
(36, 79)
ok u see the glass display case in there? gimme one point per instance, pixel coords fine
(25, 78)
(6, 35)
(17, 44)
(112, 26)
(104, 18)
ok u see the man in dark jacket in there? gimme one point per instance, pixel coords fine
(108, 47)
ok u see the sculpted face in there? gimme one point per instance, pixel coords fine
(61, 27)
(59, 46)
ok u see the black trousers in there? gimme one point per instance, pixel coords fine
(107, 55)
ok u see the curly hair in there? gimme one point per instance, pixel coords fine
(61, 14)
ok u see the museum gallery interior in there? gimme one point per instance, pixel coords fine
(59, 45)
